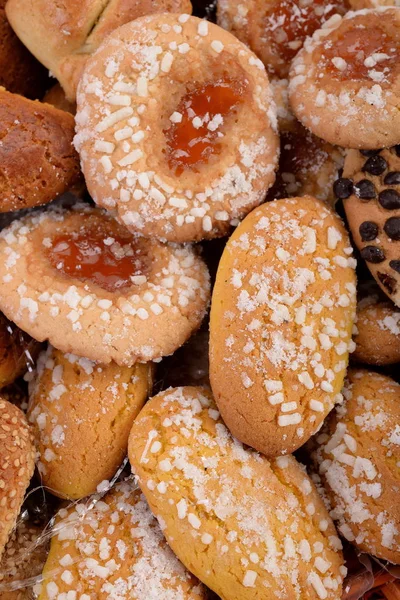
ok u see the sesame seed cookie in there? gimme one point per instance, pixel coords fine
(17, 461)
(344, 83)
(176, 128)
(18, 352)
(80, 280)
(63, 36)
(377, 337)
(282, 312)
(114, 549)
(370, 189)
(248, 528)
(358, 459)
(276, 29)
(37, 159)
(83, 439)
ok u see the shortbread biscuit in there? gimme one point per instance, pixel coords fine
(114, 549)
(282, 312)
(80, 280)
(247, 527)
(176, 128)
(17, 461)
(18, 352)
(378, 333)
(37, 158)
(370, 189)
(276, 29)
(63, 36)
(345, 82)
(81, 414)
(358, 459)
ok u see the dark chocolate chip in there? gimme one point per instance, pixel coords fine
(395, 265)
(365, 189)
(388, 282)
(369, 152)
(373, 254)
(392, 228)
(343, 188)
(392, 178)
(375, 165)
(389, 199)
(368, 231)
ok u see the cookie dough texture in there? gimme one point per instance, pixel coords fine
(358, 460)
(281, 320)
(248, 528)
(147, 320)
(115, 549)
(373, 214)
(16, 466)
(63, 36)
(81, 414)
(346, 98)
(378, 333)
(18, 352)
(129, 99)
(37, 158)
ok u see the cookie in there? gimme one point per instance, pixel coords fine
(80, 280)
(377, 337)
(248, 528)
(37, 159)
(18, 352)
(344, 82)
(281, 319)
(81, 413)
(280, 93)
(176, 131)
(17, 461)
(358, 460)
(276, 29)
(62, 37)
(114, 549)
(359, 4)
(370, 189)
(56, 97)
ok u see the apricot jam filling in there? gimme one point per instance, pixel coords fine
(290, 22)
(197, 125)
(98, 256)
(362, 53)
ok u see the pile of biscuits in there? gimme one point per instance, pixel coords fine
(200, 300)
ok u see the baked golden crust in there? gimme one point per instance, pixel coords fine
(358, 461)
(62, 36)
(37, 159)
(242, 524)
(17, 461)
(115, 549)
(378, 333)
(56, 97)
(281, 320)
(81, 414)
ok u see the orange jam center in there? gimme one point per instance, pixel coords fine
(197, 123)
(97, 256)
(290, 22)
(362, 53)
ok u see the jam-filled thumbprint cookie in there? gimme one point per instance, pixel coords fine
(176, 128)
(276, 29)
(80, 280)
(344, 83)
(370, 190)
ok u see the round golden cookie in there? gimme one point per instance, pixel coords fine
(281, 319)
(378, 333)
(358, 460)
(80, 280)
(56, 97)
(63, 36)
(280, 93)
(248, 528)
(345, 82)
(17, 461)
(276, 29)
(81, 414)
(370, 189)
(114, 549)
(18, 352)
(176, 128)
(37, 159)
